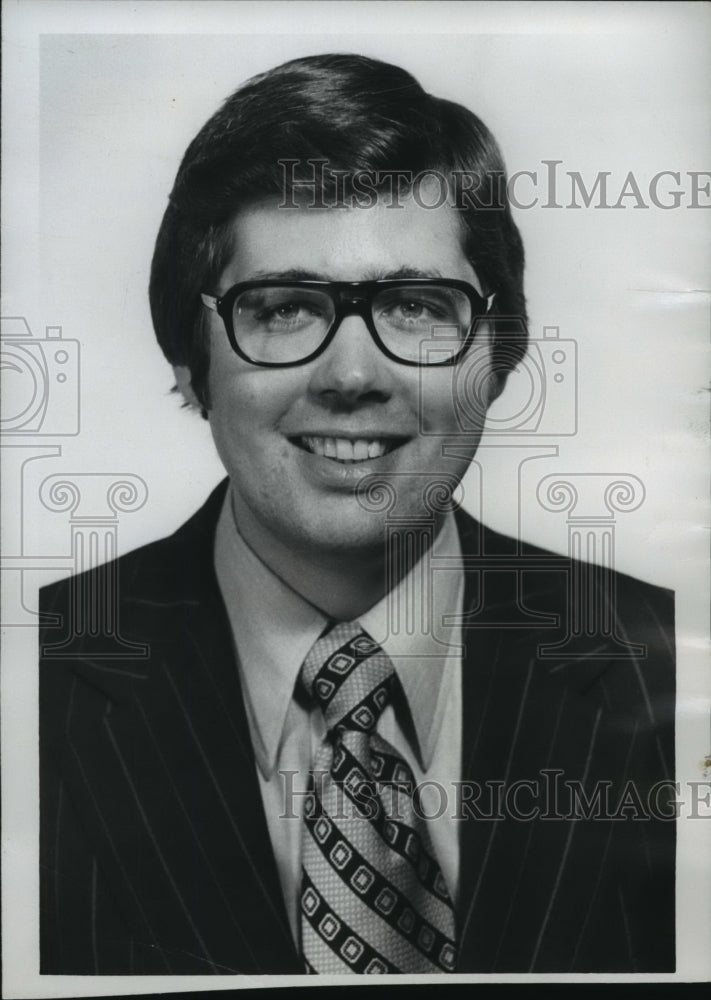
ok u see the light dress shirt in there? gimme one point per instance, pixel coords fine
(274, 628)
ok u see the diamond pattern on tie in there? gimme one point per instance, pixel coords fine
(373, 896)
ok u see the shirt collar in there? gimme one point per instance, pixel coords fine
(274, 628)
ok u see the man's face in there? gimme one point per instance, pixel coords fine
(264, 421)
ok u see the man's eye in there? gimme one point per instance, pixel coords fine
(411, 310)
(288, 313)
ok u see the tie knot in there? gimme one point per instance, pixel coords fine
(350, 676)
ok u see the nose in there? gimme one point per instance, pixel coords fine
(352, 369)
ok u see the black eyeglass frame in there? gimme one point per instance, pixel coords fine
(350, 298)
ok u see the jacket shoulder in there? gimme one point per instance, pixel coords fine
(477, 539)
(173, 564)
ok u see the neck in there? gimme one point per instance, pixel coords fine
(343, 584)
(322, 584)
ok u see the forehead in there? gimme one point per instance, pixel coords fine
(347, 243)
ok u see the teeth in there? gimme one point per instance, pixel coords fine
(345, 450)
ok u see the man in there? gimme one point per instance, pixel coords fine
(283, 778)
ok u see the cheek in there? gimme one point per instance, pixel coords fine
(247, 409)
(436, 399)
(235, 393)
(457, 398)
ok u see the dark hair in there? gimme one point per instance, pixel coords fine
(361, 116)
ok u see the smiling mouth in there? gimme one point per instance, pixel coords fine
(346, 450)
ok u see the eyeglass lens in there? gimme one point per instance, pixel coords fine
(286, 324)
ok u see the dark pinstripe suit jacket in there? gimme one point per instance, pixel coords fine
(155, 856)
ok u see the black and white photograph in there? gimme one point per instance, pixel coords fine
(355, 494)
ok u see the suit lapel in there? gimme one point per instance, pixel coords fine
(523, 718)
(183, 828)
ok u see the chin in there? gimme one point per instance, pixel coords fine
(345, 535)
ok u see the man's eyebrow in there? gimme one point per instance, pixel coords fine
(381, 274)
(409, 272)
(291, 274)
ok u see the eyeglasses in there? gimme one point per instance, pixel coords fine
(279, 324)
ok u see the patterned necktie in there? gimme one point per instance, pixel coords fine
(373, 899)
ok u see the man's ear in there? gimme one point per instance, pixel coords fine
(184, 383)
